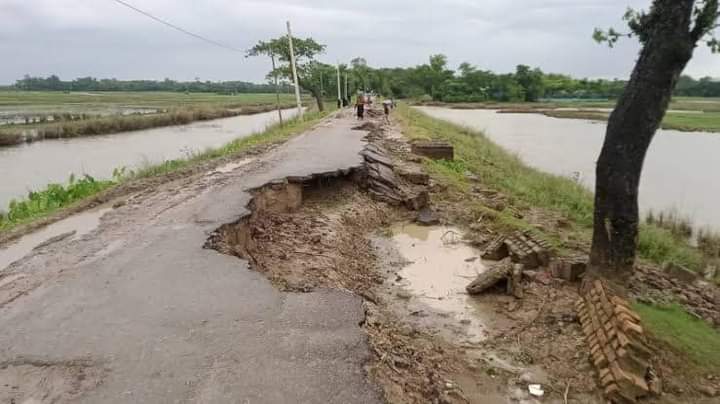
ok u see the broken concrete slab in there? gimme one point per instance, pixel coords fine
(568, 268)
(436, 150)
(523, 247)
(427, 217)
(414, 177)
(496, 275)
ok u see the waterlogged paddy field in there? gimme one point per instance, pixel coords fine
(16, 106)
(680, 169)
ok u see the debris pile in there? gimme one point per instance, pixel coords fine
(384, 185)
(568, 268)
(660, 287)
(516, 252)
(618, 345)
(504, 275)
(522, 247)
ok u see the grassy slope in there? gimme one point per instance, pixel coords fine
(529, 187)
(677, 328)
(58, 196)
(526, 186)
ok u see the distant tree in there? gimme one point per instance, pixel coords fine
(308, 69)
(531, 80)
(668, 32)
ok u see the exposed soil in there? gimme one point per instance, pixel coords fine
(429, 347)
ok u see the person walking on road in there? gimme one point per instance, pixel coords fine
(360, 106)
(387, 104)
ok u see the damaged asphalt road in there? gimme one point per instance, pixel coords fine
(138, 311)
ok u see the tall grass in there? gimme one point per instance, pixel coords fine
(526, 186)
(57, 196)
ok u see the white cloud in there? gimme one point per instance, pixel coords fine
(101, 38)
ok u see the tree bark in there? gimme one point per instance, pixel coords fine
(667, 47)
(318, 98)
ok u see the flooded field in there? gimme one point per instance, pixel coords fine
(32, 166)
(680, 168)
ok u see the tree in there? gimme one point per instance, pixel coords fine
(668, 33)
(531, 80)
(308, 69)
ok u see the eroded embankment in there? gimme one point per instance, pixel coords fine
(312, 232)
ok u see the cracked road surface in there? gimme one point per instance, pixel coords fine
(137, 311)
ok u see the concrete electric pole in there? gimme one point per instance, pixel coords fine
(294, 72)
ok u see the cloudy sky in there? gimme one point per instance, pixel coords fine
(101, 38)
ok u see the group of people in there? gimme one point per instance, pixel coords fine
(365, 101)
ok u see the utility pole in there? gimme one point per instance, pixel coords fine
(322, 91)
(347, 89)
(277, 89)
(338, 86)
(294, 72)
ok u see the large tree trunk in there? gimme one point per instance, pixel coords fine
(666, 50)
(318, 98)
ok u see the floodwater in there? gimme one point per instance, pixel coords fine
(680, 169)
(438, 267)
(32, 166)
(72, 227)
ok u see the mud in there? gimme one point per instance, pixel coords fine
(437, 267)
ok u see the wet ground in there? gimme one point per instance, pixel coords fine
(68, 228)
(436, 267)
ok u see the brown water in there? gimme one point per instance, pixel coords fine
(33, 166)
(680, 169)
(438, 267)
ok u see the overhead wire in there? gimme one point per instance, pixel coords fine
(178, 28)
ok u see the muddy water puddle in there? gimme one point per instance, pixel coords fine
(436, 267)
(72, 227)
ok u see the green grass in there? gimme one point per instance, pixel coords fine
(674, 326)
(54, 197)
(682, 121)
(89, 100)
(706, 121)
(86, 114)
(526, 186)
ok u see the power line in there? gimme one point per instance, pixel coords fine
(177, 28)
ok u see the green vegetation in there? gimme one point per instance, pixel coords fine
(50, 115)
(49, 100)
(52, 198)
(526, 186)
(56, 196)
(674, 326)
(54, 83)
(682, 121)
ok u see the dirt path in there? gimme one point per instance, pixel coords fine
(138, 311)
